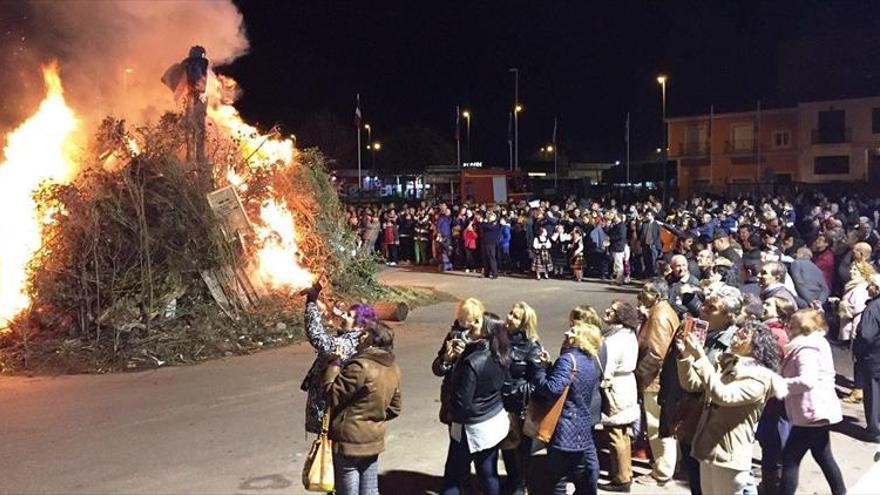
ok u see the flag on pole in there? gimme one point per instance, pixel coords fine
(357, 112)
(457, 123)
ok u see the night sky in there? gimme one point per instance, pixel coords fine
(587, 62)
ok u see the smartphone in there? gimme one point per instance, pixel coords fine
(696, 327)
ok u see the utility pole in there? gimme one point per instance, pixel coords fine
(627, 149)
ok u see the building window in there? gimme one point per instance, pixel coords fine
(831, 165)
(742, 137)
(875, 121)
(782, 139)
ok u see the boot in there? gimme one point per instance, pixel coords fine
(855, 397)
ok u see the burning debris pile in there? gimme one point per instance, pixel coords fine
(122, 254)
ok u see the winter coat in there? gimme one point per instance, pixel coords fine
(825, 262)
(490, 233)
(622, 350)
(363, 395)
(470, 239)
(808, 368)
(684, 303)
(809, 281)
(504, 241)
(440, 367)
(654, 340)
(866, 346)
(617, 236)
(524, 371)
(852, 304)
(476, 382)
(574, 431)
(734, 394)
(444, 225)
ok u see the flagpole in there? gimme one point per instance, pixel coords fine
(627, 149)
(358, 122)
(555, 156)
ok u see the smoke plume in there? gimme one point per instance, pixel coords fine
(112, 54)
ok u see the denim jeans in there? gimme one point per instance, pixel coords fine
(579, 468)
(356, 475)
(458, 467)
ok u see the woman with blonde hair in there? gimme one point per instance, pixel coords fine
(849, 309)
(526, 368)
(812, 405)
(468, 317)
(571, 454)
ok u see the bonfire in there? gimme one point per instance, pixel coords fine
(118, 253)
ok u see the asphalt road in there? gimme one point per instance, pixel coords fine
(234, 426)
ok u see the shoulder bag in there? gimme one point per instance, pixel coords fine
(541, 418)
(317, 475)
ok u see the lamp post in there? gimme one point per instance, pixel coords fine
(516, 110)
(369, 134)
(467, 115)
(661, 79)
(374, 147)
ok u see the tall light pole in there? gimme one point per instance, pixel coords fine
(374, 147)
(369, 134)
(467, 115)
(516, 110)
(664, 153)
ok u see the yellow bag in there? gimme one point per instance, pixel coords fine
(317, 475)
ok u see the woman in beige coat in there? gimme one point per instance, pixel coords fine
(735, 392)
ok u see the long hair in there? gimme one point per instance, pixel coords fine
(586, 337)
(587, 315)
(765, 348)
(496, 334)
(529, 324)
(809, 320)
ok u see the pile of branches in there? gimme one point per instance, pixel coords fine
(117, 282)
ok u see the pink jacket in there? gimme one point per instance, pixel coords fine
(808, 368)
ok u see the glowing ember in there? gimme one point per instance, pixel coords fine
(278, 253)
(35, 152)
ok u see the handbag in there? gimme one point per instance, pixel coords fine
(541, 418)
(317, 474)
(610, 402)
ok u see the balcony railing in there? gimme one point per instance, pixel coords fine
(834, 136)
(693, 148)
(740, 146)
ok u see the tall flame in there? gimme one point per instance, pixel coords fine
(35, 152)
(278, 256)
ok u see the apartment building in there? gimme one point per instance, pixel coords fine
(815, 142)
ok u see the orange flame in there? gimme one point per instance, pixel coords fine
(35, 152)
(278, 256)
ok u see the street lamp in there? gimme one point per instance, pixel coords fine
(661, 80)
(373, 148)
(369, 134)
(517, 109)
(467, 115)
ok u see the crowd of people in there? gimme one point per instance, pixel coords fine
(728, 345)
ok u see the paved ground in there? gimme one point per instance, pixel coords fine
(235, 426)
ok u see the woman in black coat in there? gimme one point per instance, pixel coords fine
(478, 422)
(526, 369)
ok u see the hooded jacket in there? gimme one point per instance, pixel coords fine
(363, 395)
(734, 394)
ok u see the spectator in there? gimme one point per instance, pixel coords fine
(654, 339)
(543, 263)
(812, 405)
(809, 282)
(866, 349)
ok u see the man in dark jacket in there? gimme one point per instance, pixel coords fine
(866, 349)
(809, 283)
(652, 246)
(684, 290)
(490, 236)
